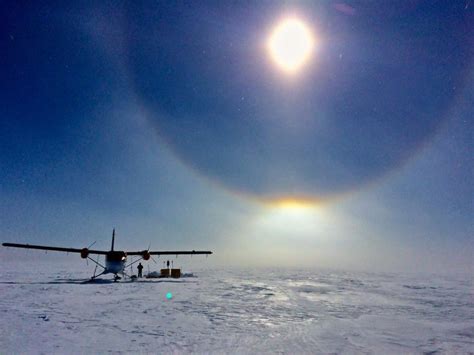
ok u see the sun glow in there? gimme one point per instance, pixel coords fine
(293, 204)
(291, 44)
(291, 217)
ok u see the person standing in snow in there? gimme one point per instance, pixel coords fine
(140, 268)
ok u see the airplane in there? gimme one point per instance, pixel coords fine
(115, 260)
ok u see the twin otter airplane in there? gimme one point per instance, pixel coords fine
(115, 261)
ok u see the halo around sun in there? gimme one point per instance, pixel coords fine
(291, 44)
(293, 114)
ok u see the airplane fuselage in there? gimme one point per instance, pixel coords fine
(115, 262)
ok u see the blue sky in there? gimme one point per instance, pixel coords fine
(171, 123)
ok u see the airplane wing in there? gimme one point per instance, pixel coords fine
(86, 251)
(43, 247)
(170, 252)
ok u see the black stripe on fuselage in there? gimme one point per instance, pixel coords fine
(116, 256)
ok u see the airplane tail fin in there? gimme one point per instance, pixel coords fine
(113, 240)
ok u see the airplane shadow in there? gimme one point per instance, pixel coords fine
(91, 282)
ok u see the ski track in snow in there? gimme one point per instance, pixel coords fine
(51, 311)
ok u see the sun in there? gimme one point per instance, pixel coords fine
(291, 44)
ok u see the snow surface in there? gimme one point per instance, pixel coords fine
(46, 308)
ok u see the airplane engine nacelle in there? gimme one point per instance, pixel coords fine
(84, 253)
(146, 255)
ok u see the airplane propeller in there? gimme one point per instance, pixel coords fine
(86, 252)
(151, 257)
